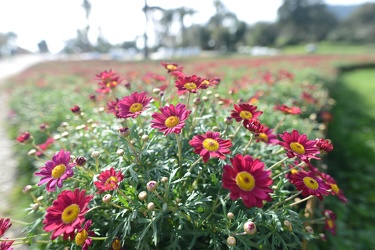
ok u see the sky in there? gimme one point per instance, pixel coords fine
(57, 21)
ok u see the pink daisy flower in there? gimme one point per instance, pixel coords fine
(171, 119)
(288, 110)
(188, 83)
(298, 145)
(248, 179)
(210, 145)
(83, 234)
(24, 137)
(5, 224)
(171, 67)
(245, 111)
(324, 145)
(267, 136)
(133, 105)
(108, 180)
(66, 213)
(335, 190)
(56, 171)
(330, 221)
(310, 184)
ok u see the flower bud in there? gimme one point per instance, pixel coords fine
(231, 241)
(228, 120)
(95, 154)
(145, 137)
(35, 206)
(230, 215)
(27, 189)
(151, 206)
(31, 152)
(124, 132)
(164, 179)
(288, 225)
(216, 128)
(25, 138)
(81, 161)
(107, 198)
(142, 195)
(323, 237)
(250, 227)
(197, 101)
(309, 229)
(120, 152)
(65, 134)
(205, 98)
(75, 109)
(151, 186)
(156, 90)
(43, 126)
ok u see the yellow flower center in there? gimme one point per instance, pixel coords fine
(111, 84)
(206, 82)
(172, 121)
(190, 86)
(171, 67)
(294, 171)
(81, 237)
(244, 114)
(330, 223)
(297, 148)
(335, 188)
(58, 171)
(70, 213)
(245, 181)
(116, 244)
(263, 137)
(112, 180)
(310, 183)
(210, 144)
(136, 107)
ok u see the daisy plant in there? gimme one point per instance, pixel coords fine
(159, 163)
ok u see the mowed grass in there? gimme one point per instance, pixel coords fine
(331, 48)
(353, 159)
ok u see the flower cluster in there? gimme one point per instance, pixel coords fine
(171, 168)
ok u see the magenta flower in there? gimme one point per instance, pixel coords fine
(171, 119)
(298, 145)
(310, 184)
(248, 179)
(133, 105)
(210, 145)
(56, 171)
(245, 111)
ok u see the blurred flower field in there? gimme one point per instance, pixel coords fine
(194, 154)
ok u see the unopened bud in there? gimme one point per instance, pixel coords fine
(31, 152)
(145, 137)
(151, 186)
(197, 101)
(120, 152)
(309, 229)
(228, 120)
(230, 215)
(288, 225)
(250, 227)
(231, 241)
(35, 206)
(164, 179)
(81, 161)
(142, 195)
(216, 128)
(95, 154)
(65, 134)
(150, 206)
(205, 98)
(124, 132)
(27, 189)
(107, 198)
(156, 90)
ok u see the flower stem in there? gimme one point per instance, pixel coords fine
(248, 144)
(238, 128)
(134, 151)
(195, 163)
(286, 171)
(126, 197)
(279, 124)
(98, 238)
(300, 201)
(179, 152)
(278, 163)
(195, 183)
(286, 200)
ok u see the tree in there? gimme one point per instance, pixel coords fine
(304, 21)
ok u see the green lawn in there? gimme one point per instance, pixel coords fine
(353, 159)
(329, 48)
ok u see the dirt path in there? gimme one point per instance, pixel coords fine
(8, 68)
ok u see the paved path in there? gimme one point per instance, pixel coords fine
(8, 68)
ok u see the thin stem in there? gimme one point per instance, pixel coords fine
(179, 153)
(158, 195)
(126, 197)
(286, 171)
(195, 183)
(248, 144)
(278, 163)
(279, 124)
(93, 209)
(238, 128)
(98, 238)
(23, 238)
(97, 164)
(300, 201)
(134, 151)
(195, 163)
(286, 200)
